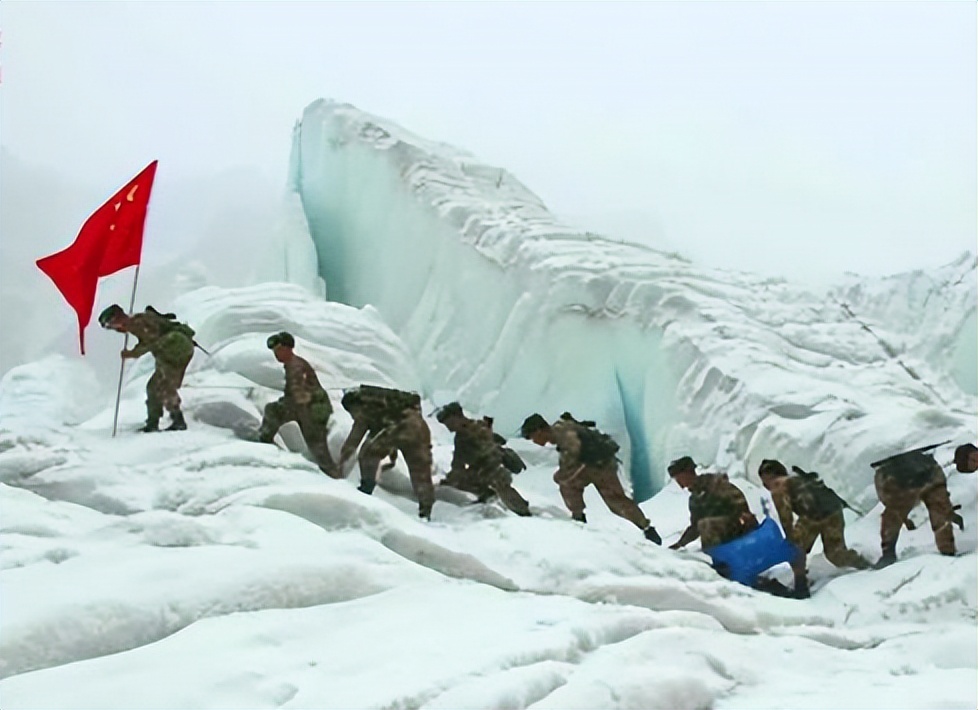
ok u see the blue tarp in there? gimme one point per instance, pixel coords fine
(749, 555)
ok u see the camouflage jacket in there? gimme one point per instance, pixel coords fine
(569, 447)
(301, 384)
(806, 497)
(475, 447)
(173, 347)
(712, 495)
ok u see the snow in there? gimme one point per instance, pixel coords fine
(193, 569)
(197, 569)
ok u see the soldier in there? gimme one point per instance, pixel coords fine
(901, 482)
(393, 421)
(477, 462)
(718, 510)
(819, 511)
(583, 465)
(966, 458)
(304, 401)
(172, 346)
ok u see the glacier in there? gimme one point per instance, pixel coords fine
(194, 569)
(510, 311)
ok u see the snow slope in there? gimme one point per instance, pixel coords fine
(513, 312)
(193, 569)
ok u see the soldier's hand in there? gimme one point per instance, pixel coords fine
(957, 520)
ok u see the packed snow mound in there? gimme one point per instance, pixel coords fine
(511, 311)
(198, 570)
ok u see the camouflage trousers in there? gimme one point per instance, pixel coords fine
(498, 481)
(718, 530)
(417, 456)
(832, 529)
(162, 390)
(313, 421)
(605, 480)
(898, 501)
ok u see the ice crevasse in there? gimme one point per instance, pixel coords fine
(510, 311)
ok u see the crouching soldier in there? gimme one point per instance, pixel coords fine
(819, 511)
(391, 421)
(172, 346)
(477, 462)
(901, 482)
(304, 401)
(587, 457)
(718, 510)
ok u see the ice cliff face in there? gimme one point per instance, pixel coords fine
(512, 312)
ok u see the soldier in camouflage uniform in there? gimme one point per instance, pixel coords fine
(172, 349)
(477, 465)
(389, 428)
(573, 475)
(819, 511)
(901, 482)
(718, 510)
(304, 401)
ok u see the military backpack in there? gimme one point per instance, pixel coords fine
(597, 448)
(814, 499)
(385, 406)
(168, 323)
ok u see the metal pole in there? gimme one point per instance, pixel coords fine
(125, 346)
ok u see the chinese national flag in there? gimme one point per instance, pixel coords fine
(110, 240)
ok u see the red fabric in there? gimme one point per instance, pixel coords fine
(110, 240)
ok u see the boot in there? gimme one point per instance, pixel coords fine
(424, 513)
(580, 518)
(801, 588)
(366, 487)
(888, 558)
(652, 535)
(178, 423)
(152, 424)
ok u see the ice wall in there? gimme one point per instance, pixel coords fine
(514, 312)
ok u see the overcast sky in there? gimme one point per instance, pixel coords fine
(794, 138)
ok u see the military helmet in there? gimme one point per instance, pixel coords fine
(282, 338)
(109, 314)
(684, 463)
(771, 467)
(961, 455)
(531, 424)
(452, 409)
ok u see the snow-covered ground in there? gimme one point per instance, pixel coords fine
(195, 570)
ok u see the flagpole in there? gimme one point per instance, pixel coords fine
(125, 346)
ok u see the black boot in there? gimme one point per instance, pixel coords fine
(888, 558)
(178, 423)
(579, 518)
(152, 424)
(652, 535)
(366, 487)
(801, 588)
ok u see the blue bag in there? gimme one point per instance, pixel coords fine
(746, 557)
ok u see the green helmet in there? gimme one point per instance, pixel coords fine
(107, 316)
(533, 424)
(282, 338)
(452, 409)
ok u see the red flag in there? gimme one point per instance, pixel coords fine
(110, 240)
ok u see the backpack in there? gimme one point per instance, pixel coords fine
(597, 448)
(511, 460)
(384, 406)
(168, 324)
(913, 469)
(815, 499)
